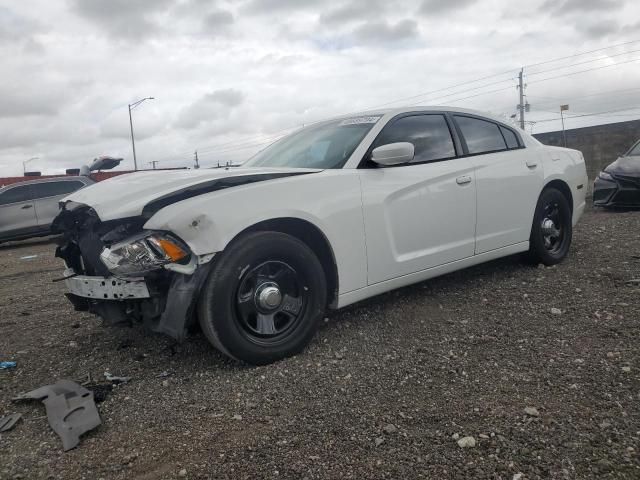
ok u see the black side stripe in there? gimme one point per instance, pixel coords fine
(152, 207)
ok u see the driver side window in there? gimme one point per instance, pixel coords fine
(429, 134)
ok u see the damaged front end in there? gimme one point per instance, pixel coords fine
(124, 273)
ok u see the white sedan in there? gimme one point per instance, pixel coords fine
(332, 214)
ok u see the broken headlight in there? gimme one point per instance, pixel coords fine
(144, 253)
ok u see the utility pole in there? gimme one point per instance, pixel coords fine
(521, 104)
(196, 159)
(563, 108)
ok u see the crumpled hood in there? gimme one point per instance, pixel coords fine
(625, 166)
(127, 195)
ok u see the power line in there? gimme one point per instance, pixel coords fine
(583, 71)
(250, 140)
(580, 54)
(582, 63)
(588, 114)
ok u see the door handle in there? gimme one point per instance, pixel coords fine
(463, 180)
(24, 207)
(532, 163)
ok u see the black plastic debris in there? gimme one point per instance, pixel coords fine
(8, 422)
(71, 410)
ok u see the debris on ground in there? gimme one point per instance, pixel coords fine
(71, 410)
(7, 365)
(8, 422)
(28, 257)
(467, 442)
(532, 411)
(115, 379)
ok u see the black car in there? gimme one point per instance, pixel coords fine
(618, 185)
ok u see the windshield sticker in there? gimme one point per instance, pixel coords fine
(358, 120)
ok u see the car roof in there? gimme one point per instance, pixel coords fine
(37, 180)
(437, 108)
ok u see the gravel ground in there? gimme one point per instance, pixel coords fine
(384, 391)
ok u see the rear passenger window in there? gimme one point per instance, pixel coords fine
(510, 138)
(16, 195)
(429, 134)
(53, 189)
(481, 136)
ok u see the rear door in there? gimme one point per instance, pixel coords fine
(17, 212)
(509, 178)
(422, 214)
(48, 195)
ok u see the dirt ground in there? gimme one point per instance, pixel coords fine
(384, 391)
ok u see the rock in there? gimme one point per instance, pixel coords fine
(73, 344)
(517, 476)
(626, 369)
(237, 417)
(390, 429)
(455, 436)
(532, 411)
(379, 441)
(556, 311)
(467, 442)
(165, 383)
(482, 435)
(182, 473)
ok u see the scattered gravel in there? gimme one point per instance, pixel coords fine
(462, 355)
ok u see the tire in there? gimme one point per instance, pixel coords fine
(552, 229)
(264, 298)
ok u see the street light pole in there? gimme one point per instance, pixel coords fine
(133, 141)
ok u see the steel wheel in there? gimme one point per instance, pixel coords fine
(552, 228)
(270, 301)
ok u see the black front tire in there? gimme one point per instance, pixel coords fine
(552, 229)
(223, 301)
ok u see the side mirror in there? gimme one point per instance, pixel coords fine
(393, 154)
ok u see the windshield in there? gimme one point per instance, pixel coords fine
(635, 150)
(325, 145)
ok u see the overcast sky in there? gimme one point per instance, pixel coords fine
(229, 76)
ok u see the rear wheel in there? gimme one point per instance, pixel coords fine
(264, 299)
(552, 228)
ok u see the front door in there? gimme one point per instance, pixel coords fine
(422, 214)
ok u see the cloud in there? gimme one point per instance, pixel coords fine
(599, 29)
(354, 11)
(386, 34)
(217, 20)
(210, 107)
(278, 6)
(439, 7)
(567, 7)
(123, 18)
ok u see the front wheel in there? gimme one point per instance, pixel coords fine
(552, 228)
(264, 299)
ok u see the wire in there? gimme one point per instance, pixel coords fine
(582, 63)
(583, 71)
(580, 54)
(587, 114)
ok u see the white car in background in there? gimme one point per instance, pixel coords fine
(332, 214)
